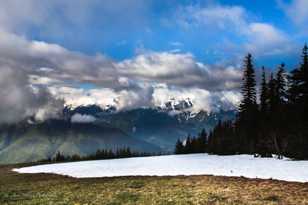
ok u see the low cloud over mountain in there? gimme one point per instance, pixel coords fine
(46, 73)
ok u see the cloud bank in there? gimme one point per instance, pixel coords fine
(20, 100)
(59, 73)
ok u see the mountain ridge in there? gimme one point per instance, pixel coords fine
(141, 129)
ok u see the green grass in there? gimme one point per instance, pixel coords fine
(50, 189)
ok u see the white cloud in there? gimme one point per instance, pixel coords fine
(123, 99)
(247, 34)
(202, 99)
(265, 39)
(78, 118)
(64, 16)
(20, 100)
(296, 11)
(158, 64)
(178, 69)
(214, 17)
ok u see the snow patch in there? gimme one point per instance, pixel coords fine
(173, 165)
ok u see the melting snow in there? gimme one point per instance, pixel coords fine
(173, 165)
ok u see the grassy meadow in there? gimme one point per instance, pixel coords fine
(16, 189)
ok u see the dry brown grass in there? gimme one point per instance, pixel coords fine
(53, 189)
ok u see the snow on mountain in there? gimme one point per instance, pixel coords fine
(182, 110)
(85, 129)
(177, 105)
(173, 165)
(172, 106)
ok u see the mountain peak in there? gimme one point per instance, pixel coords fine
(178, 105)
(93, 110)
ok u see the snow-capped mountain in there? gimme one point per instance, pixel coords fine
(84, 129)
(177, 105)
(161, 126)
(93, 110)
(172, 106)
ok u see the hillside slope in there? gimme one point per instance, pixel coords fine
(32, 142)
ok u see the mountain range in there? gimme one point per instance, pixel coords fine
(84, 129)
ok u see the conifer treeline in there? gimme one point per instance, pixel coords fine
(278, 124)
(192, 144)
(98, 155)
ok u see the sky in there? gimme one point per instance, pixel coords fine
(139, 53)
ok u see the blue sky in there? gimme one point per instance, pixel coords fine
(153, 25)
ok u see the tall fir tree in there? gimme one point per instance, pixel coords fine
(278, 114)
(272, 95)
(248, 108)
(263, 94)
(304, 85)
(298, 92)
(281, 83)
(249, 102)
(179, 147)
(301, 106)
(248, 105)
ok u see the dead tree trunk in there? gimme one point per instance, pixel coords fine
(276, 145)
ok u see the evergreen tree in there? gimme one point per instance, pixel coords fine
(304, 69)
(298, 92)
(304, 84)
(203, 141)
(249, 102)
(298, 106)
(281, 84)
(272, 95)
(277, 108)
(248, 108)
(192, 144)
(264, 94)
(263, 125)
(59, 157)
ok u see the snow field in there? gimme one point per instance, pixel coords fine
(174, 165)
